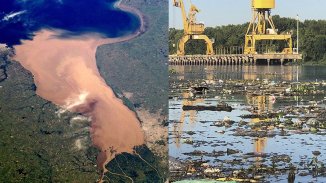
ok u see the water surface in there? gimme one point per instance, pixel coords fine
(191, 131)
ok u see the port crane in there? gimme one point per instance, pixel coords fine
(262, 28)
(192, 29)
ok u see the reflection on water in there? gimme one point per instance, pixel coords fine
(251, 72)
(195, 131)
(263, 105)
(177, 129)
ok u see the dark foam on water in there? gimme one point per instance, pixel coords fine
(75, 17)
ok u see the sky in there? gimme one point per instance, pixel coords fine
(223, 12)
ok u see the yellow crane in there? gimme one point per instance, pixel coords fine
(192, 29)
(262, 28)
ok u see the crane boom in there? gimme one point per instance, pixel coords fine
(192, 29)
(180, 4)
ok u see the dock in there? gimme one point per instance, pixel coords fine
(234, 59)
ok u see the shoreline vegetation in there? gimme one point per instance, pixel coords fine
(315, 63)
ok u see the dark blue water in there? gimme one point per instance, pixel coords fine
(75, 17)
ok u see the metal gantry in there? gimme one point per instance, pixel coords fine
(262, 28)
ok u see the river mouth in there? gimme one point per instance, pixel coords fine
(66, 74)
(270, 132)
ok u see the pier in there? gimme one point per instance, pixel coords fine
(234, 59)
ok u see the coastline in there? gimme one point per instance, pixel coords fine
(312, 63)
(143, 23)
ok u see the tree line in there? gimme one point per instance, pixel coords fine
(230, 38)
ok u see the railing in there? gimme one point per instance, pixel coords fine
(229, 50)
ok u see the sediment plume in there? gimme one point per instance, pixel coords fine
(66, 74)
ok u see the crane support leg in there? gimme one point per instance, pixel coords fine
(186, 38)
(182, 42)
(209, 44)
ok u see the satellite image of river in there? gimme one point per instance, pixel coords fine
(60, 120)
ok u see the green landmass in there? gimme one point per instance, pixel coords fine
(139, 66)
(312, 38)
(141, 167)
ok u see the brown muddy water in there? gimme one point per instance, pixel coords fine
(245, 140)
(66, 74)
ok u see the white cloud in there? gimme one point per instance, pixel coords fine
(12, 15)
(74, 102)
